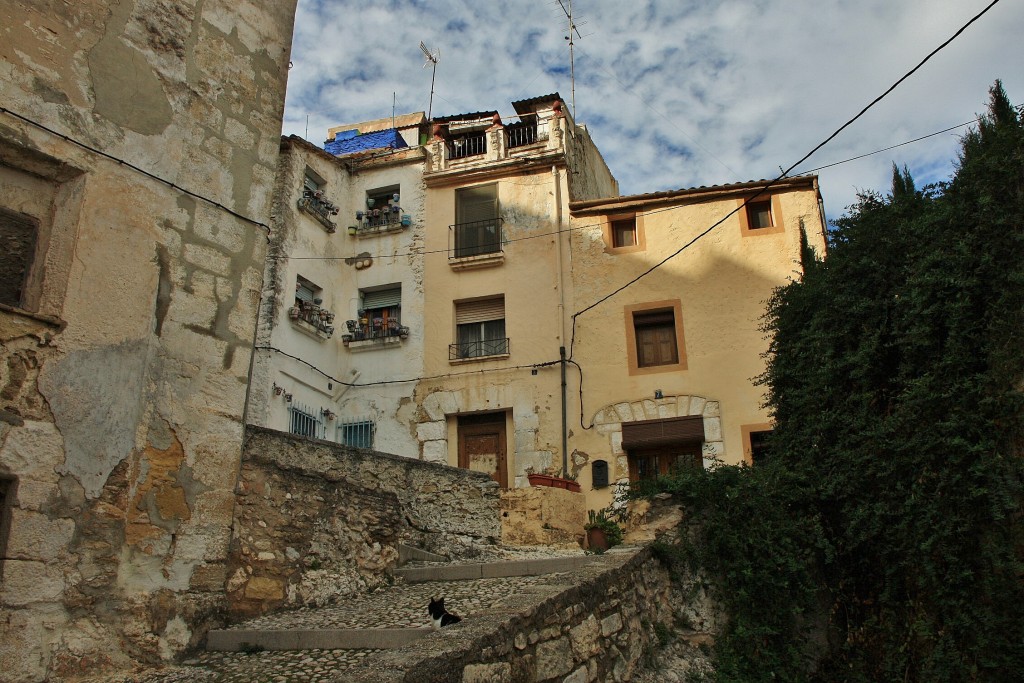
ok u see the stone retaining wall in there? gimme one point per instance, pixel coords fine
(597, 625)
(315, 521)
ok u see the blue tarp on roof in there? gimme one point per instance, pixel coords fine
(362, 143)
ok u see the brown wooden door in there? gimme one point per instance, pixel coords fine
(482, 445)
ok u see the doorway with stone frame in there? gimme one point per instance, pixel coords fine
(482, 445)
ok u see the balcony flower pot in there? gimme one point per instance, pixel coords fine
(352, 230)
(294, 312)
(554, 482)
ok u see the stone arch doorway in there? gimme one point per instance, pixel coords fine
(609, 420)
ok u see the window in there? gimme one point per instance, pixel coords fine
(7, 487)
(655, 337)
(477, 226)
(380, 314)
(480, 329)
(312, 182)
(304, 422)
(357, 433)
(306, 292)
(657, 447)
(382, 207)
(756, 443)
(761, 216)
(624, 232)
(17, 251)
(308, 308)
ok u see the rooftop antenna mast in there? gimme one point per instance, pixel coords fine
(433, 58)
(572, 60)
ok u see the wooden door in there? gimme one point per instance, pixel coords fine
(482, 445)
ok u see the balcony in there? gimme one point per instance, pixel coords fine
(373, 332)
(478, 350)
(379, 221)
(521, 134)
(476, 245)
(321, 209)
(310, 318)
(469, 145)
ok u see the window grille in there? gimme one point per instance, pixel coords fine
(304, 421)
(356, 432)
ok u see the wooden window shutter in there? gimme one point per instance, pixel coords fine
(480, 311)
(666, 432)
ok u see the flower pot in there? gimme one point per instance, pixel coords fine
(293, 312)
(554, 482)
(597, 539)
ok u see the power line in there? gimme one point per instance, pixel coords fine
(782, 175)
(135, 168)
(425, 378)
(886, 149)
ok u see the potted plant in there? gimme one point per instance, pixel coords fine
(549, 479)
(602, 532)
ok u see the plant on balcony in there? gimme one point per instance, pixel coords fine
(313, 314)
(380, 218)
(364, 329)
(319, 207)
(552, 480)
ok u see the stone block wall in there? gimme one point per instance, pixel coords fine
(596, 626)
(542, 515)
(315, 521)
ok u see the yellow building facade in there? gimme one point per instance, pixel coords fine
(671, 290)
(550, 326)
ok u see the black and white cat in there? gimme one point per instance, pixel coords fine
(439, 615)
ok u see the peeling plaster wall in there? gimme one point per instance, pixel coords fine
(318, 380)
(123, 374)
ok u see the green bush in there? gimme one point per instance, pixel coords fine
(883, 538)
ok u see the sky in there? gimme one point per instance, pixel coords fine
(677, 93)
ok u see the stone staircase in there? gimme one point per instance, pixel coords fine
(341, 642)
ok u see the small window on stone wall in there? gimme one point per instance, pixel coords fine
(7, 487)
(18, 233)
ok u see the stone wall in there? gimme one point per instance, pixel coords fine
(316, 521)
(598, 626)
(141, 139)
(543, 515)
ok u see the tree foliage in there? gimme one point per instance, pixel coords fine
(883, 540)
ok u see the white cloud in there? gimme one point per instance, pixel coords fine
(676, 93)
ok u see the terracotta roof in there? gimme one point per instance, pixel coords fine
(590, 205)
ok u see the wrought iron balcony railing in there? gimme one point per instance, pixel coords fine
(319, 208)
(476, 238)
(478, 349)
(467, 145)
(520, 134)
(365, 329)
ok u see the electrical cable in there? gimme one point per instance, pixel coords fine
(544, 364)
(587, 226)
(137, 169)
(783, 174)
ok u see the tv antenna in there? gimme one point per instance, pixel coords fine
(433, 58)
(572, 42)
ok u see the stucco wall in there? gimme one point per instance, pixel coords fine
(722, 284)
(124, 429)
(302, 246)
(317, 521)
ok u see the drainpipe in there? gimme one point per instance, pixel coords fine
(561, 314)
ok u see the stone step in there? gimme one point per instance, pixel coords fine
(492, 570)
(408, 553)
(252, 640)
